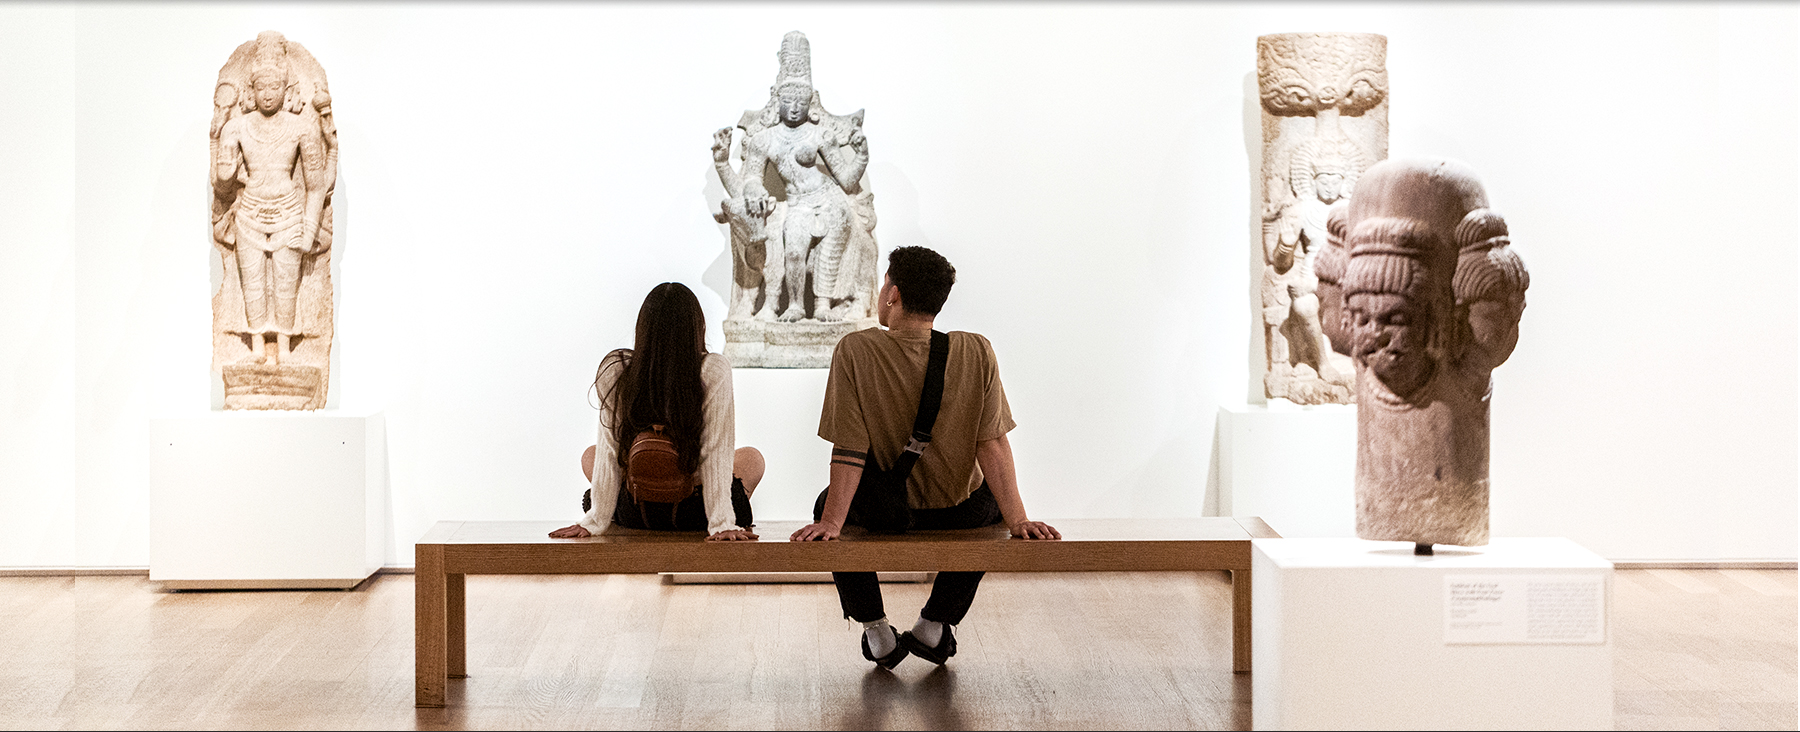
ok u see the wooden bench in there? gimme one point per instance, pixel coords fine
(453, 549)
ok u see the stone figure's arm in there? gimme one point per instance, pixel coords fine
(756, 197)
(312, 170)
(227, 157)
(721, 154)
(847, 159)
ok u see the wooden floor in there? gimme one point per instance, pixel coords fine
(1695, 650)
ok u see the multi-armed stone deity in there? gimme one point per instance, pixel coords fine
(1431, 293)
(274, 164)
(802, 224)
(1324, 121)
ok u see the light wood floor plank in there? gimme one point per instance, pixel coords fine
(1695, 649)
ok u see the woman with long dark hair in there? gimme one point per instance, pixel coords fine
(669, 381)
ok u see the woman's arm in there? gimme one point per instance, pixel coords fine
(718, 440)
(605, 488)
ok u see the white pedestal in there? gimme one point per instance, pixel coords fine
(247, 500)
(1350, 634)
(1293, 466)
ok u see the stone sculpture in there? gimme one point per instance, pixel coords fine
(1324, 121)
(801, 224)
(1430, 294)
(274, 165)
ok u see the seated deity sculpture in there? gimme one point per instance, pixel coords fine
(801, 223)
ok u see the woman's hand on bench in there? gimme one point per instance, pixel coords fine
(570, 532)
(1035, 530)
(821, 531)
(734, 535)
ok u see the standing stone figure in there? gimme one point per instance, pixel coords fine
(802, 224)
(1324, 113)
(274, 164)
(1431, 293)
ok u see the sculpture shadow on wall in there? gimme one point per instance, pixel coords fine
(1253, 264)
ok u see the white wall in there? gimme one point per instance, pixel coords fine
(515, 178)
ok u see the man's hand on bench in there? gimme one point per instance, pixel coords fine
(734, 535)
(821, 531)
(1035, 530)
(570, 532)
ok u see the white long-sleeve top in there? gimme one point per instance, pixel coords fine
(718, 438)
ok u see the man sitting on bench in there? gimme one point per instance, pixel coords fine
(954, 472)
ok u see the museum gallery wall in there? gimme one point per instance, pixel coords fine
(514, 180)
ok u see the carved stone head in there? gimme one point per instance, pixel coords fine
(792, 94)
(269, 73)
(1427, 260)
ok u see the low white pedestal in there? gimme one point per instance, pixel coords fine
(1350, 634)
(247, 500)
(1293, 466)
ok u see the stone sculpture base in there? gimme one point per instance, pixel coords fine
(1300, 384)
(805, 344)
(283, 386)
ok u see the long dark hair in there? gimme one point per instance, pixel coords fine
(660, 383)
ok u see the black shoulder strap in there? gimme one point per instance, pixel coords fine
(932, 396)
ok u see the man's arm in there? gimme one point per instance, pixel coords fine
(996, 460)
(846, 473)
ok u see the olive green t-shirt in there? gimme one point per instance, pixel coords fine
(872, 398)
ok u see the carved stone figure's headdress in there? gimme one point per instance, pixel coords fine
(271, 57)
(1329, 154)
(1486, 266)
(796, 62)
(1386, 257)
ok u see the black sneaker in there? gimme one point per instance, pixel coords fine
(946, 646)
(894, 657)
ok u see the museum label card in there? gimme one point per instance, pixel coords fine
(1524, 608)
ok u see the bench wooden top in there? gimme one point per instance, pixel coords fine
(524, 547)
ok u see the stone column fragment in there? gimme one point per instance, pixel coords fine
(1430, 294)
(1324, 121)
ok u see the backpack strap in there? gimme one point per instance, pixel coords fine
(931, 398)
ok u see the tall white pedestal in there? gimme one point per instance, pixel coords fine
(1350, 634)
(248, 500)
(1292, 466)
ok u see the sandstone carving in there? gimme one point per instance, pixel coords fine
(1429, 293)
(274, 164)
(1324, 121)
(801, 221)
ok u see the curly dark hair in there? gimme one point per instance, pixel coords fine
(924, 278)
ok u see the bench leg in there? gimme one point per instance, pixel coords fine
(455, 635)
(1240, 621)
(429, 657)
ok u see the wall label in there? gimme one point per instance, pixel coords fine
(1524, 608)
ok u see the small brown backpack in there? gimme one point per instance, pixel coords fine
(653, 469)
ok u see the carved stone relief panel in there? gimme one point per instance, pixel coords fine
(1431, 294)
(274, 165)
(801, 223)
(1324, 121)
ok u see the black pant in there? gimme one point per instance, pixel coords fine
(688, 515)
(952, 593)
